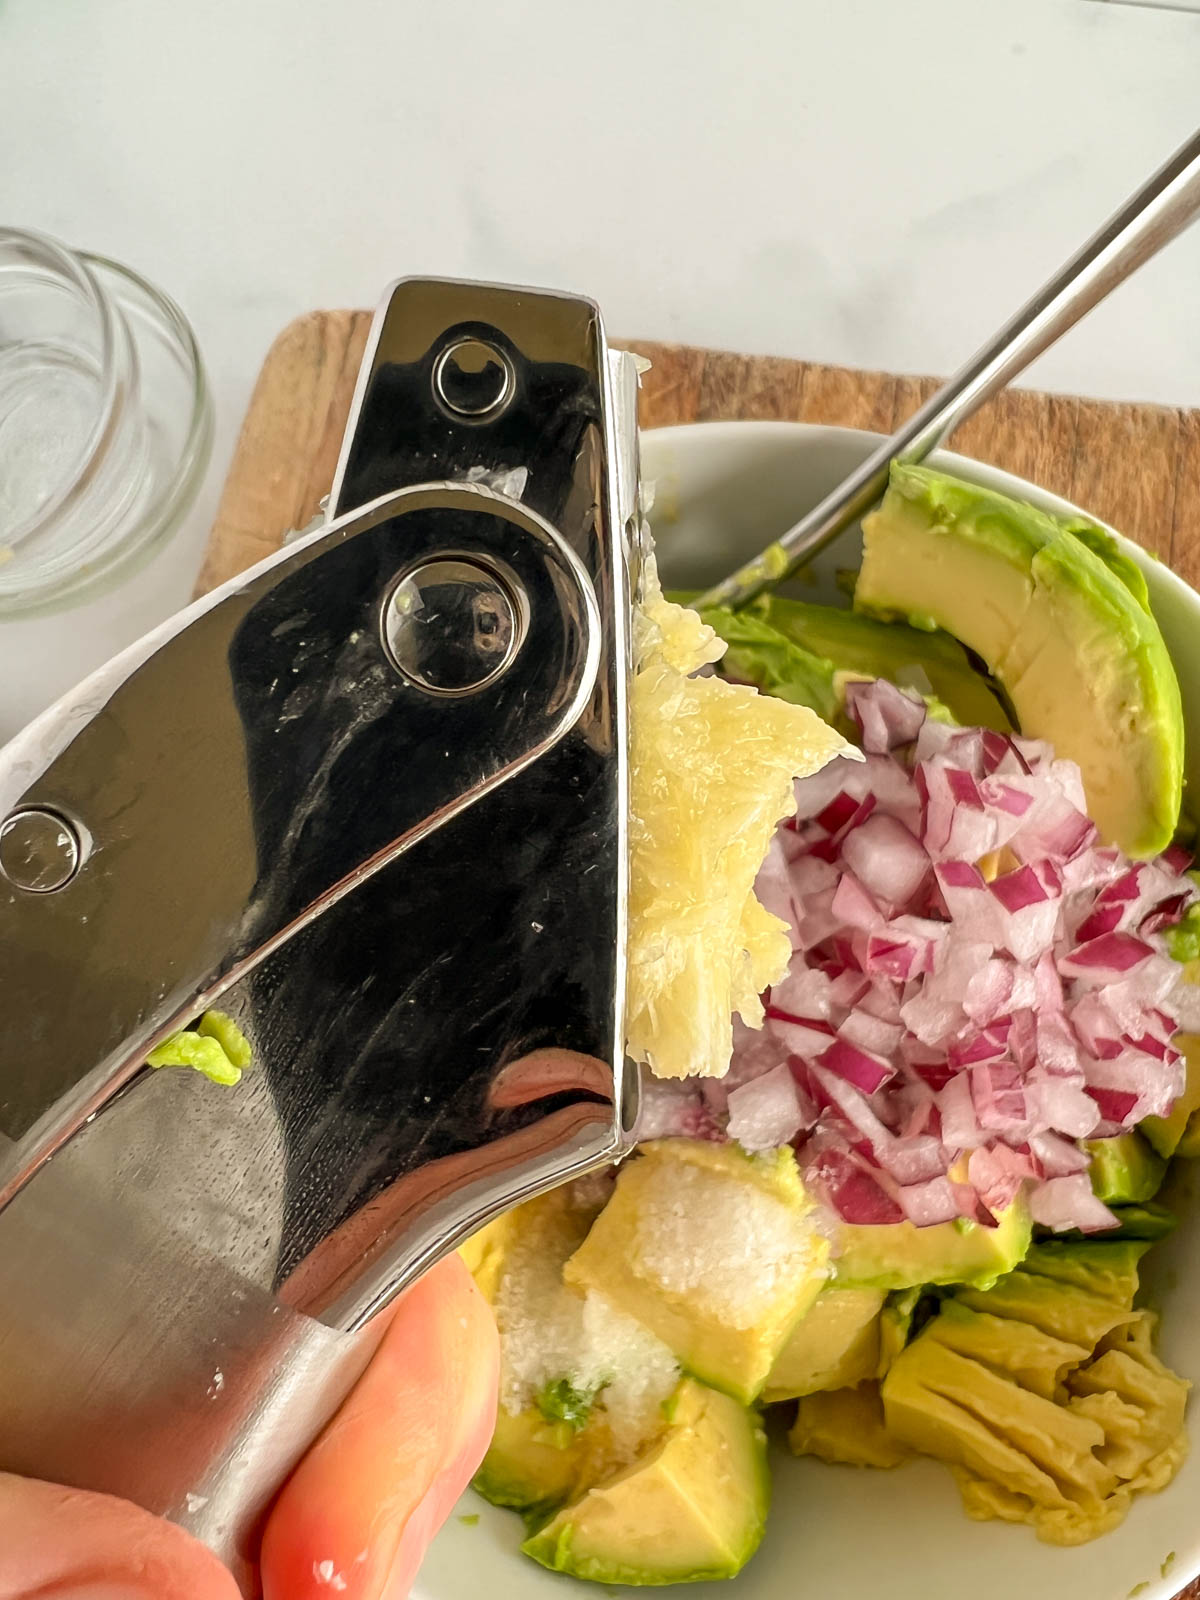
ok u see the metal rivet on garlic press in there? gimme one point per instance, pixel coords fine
(473, 380)
(451, 625)
(39, 851)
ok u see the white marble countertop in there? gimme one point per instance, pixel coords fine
(844, 180)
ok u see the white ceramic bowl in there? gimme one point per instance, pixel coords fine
(837, 1533)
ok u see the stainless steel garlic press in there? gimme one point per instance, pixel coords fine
(369, 799)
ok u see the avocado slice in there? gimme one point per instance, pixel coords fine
(1037, 1361)
(1125, 1169)
(1081, 661)
(949, 1405)
(804, 653)
(1063, 1310)
(692, 1507)
(725, 1299)
(1103, 544)
(1044, 1394)
(834, 1346)
(547, 1451)
(1167, 1133)
(760, 654)
(1108, 1269)
(895, 1326)
(1139, 1402)
(898, 1255)
(846, 1427)
(931, 663)
(533, 1465)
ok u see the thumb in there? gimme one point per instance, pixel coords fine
(357, 1514)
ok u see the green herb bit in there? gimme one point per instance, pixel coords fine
(470, 1519)
(561, 1401)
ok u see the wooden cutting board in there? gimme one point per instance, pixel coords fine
(1134, 466)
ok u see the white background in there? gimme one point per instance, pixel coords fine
(858, 181)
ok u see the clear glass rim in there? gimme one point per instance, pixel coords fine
(73, 269)
(150, 530)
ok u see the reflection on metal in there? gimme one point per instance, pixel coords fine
(452, 625)
(39, 851)
(369, 797)
(473, 380)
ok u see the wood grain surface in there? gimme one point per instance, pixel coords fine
(1134, 466)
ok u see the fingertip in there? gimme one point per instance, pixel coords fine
(373, 1490)
(56, 1541)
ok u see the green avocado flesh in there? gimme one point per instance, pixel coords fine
(834, 1346)
(1068, 639)
(1125, 1169)
(532, 1465)
(216, 1047)
(716, 1335)
(1043, 1393)
(693, 1507)
(800, 652)
(846, 1427)
(897, 1255)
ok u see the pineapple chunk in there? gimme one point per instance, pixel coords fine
(711, 773)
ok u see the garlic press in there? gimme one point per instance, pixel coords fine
(368, 798)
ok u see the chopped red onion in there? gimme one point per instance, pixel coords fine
(673, 1110)
(854, 906)
(766, 1112)
(1057, 1157)
(871, 1033)
(998, 1091)
(887, 860)
(815, 793)
(802, 993)
(804, 1037)
(1057, 830)
(856, 1194)
(929, 1015)
(995, 1176)
(863, 1070)
(1176, 859)
(1061, 1105)
(1115, 1105)
(956, 1105)
(886, 715)
(926, 1204)
(1067, 1203)
(1105, 959)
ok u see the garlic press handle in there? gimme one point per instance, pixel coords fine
(370, 799)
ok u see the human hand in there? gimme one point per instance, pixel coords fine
(354, 1519)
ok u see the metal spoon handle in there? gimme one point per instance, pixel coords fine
(1164, 205)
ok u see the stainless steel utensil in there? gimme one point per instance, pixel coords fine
(1165, 204)
(370, 798)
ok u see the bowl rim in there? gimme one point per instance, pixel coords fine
(948, 461)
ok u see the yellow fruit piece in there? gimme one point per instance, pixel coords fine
(711, 773)
(846, 1427)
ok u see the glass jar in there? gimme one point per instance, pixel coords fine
(105, 422)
